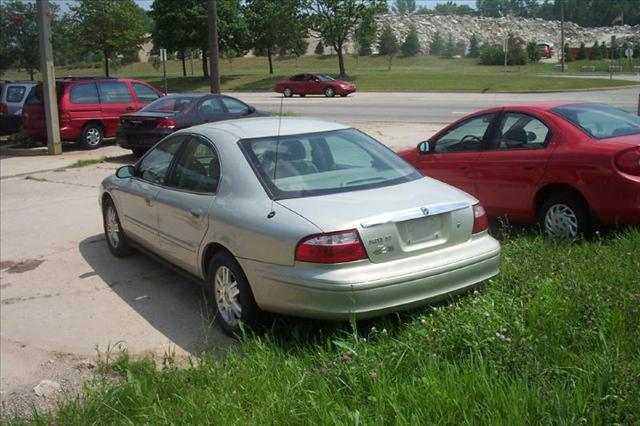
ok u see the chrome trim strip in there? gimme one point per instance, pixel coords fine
(414, 213)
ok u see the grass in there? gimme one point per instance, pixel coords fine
(85, 163)
(421, 73)
(553, 339)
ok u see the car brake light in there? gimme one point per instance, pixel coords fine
(480, 219)
(629, 161)
(64, 118)
(3, 108)
(166, 123)
(333, 247)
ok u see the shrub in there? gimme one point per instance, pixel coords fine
(449, 49)
(568, 57)
(437, 44)
(595, 53)
(474, 47)
(604, 53)
(388, 44)
(319, 50)
(533, 52)
(582, 52)
(492, 56)
(155, 62)
(411, 44)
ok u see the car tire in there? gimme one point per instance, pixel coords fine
(92, 136)
(231, 296)
(343, 96)
(139, 152)
(287, 92)
(302, 95)
(565, 216)
(113, 232)
(329, 92)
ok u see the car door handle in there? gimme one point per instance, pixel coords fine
(130, 108)
(197, 213)
(528, 167)
(149, 201)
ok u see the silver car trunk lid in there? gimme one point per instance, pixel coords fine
(395, 221)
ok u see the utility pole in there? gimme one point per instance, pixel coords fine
(214, 75)
(562, 34)
(48, 78)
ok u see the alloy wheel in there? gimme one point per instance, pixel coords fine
(113, 229)
(227, 295)
(92, 136)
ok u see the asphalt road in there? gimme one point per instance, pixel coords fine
(435, 108)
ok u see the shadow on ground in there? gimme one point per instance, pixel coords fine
(170, 303)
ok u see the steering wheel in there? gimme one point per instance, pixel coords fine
(469, 138)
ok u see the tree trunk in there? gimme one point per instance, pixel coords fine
(270, 62)
(184, 64)
(390, 57)
(205, 68)
(340, 60)
(31, 73)
(106, 63)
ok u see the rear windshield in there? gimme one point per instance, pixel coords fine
(324, 163)
(599, 120)
(170, 104)
(36, 97)
(15, 93)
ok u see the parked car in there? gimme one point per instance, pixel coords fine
(546, 49)
(12, 97)
(89, 109)
(570, 166)
(297, 216)
(314, 84)
(141, 130)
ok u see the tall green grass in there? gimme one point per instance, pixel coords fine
(553, 339)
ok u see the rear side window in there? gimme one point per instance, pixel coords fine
(114, 92)
(144, 93)
(197, 169)
(234, 105)
(85, 93)
(15, 93)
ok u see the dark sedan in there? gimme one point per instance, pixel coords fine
(314, 84)
(141, 130)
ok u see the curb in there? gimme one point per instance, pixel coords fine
(23, 152)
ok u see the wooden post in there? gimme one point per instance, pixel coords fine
(214, 73)
(48, 78)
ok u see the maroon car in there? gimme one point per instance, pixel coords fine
(314, 84)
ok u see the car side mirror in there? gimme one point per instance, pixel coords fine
(424, 147)
(125, 172)
(251, 110)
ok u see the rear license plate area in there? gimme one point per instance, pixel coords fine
(421, 230)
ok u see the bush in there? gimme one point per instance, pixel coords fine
(595, 53)
(411, 45)
(533, 52)
(449, 49)
(388, 44)
(155, 62)
(319, 50)
(604, 53)
(582, 52)
(437, 44)
(492, 56)
(568, 57)
(636, 50)
(474, 47)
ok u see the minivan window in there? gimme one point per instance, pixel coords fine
(15, 93)
(114, 92)
(324, 163)
(84, 93)
(144, 93)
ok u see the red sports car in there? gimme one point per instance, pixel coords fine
(314, 84)
(570, 166)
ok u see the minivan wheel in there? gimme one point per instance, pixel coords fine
(92, 136)
(565, 216)
(116, 240)
(329, 92)
(231, 295)
(287, 92)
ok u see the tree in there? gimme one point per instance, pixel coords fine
(19, 37)
(365, 35)
(388, 44)
(319, 50)
(595, 53)
(112, 27)
(604, 53)
(276, 26)
(582, 52)
(334, 20)
(411, 44)
(567, 53)
(449, 49)
(451, 8)
(495, 8)
(404, 6)
(436, 46)
(533, 51)
(474, 47)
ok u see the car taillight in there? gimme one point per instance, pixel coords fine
(166, 123)
(629, 161)
(3, 108)
(480, 220)
(64, 118)
(333, 247)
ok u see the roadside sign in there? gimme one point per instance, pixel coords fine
(163, 54)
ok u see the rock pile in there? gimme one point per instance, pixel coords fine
(490, 31)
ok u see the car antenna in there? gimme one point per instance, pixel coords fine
(272, 213)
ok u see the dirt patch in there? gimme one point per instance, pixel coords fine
(6, 264)
(24, 266)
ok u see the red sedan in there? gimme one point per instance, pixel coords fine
(570, 166)
(314, 84)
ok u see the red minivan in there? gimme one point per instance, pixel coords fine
(89, 109)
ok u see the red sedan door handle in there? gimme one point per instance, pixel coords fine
(528, 167)
(130, 108)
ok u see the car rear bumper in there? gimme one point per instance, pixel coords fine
(9, 123)
(133, 140)
(616, 201)
(365, 289)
